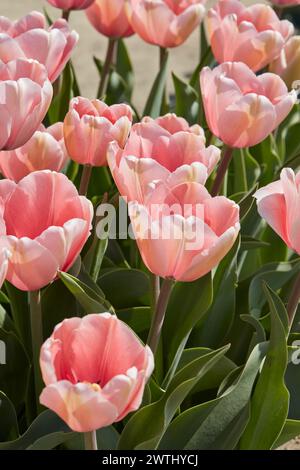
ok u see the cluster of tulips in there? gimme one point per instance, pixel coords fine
(94, 366)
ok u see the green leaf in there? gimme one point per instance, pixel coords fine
(188, 303)
(219, 319)
(89, 299)
(187, 100)
(15, 369)
(155, 98)
(44, 431)
(217, 424)
(20, 313)
(132, 286)
(276, 275)
(138, 318)
(251, 243)
(290, 430)
(8, 419)
(270, 401)
(145, 429)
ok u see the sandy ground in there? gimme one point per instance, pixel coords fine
(183, 60)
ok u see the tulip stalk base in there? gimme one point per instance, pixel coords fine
(294, 300)
(226, 159)
(85, 179)
(37, 340)
(109, 59)
(90, 440)
(159, 315)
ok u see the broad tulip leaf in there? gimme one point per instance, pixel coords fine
(14, 372)
(187, 100)
(219, 319)
(270, 401)
(290, 430)
(8, 419)
(145, 429)
(88, 298)
(219, 423)
(132, 285)
(155, 99)
(188, 303)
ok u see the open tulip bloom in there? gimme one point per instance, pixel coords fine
(149, 252)
(19, 39)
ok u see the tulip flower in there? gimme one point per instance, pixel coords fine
(95, 370)
(71, 4)
(183, 233)
(90, 126)
(109, 18)
(44, 151)
(287, 65)
(4, 257)
(241, 108)
(165, 23)
(172, 123)
(44, 225)
(26, 94)
(162, 152)
(253, 35)
(31, 38)
(279, 204)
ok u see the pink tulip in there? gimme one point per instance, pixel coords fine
(183, 233)
(241, 108)
(173, 123)
(163, 152)
(253, 35)
(90, 126)
(109, 18)
(287, 65)
(71, 4)
(26, 95)
(95, 370)
(44, 224)
(44, 151)
(165, 23)
(279, 204)
(31, 38)
(4, 257)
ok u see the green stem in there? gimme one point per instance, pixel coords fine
(90, 440)
(293, 300)
(66, 14)
(37, 340)
(110, 53)
(159, 315)
(162, 55)
(222, 171)
(155, 290)
(85, 179)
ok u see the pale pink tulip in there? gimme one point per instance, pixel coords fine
(71, 4)
(279, 204)
(44, 225)
(31, 38)
(287, 65)
(4, 257)
(26, 95)
(241, 108)
(165, 23)
(163, 152)
(90, 126)
(109, 18)
(173, 123)
(183, 233)
(95, 369)
(253, 35)
(44, 151)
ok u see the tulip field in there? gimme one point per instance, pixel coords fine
(149, 247)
